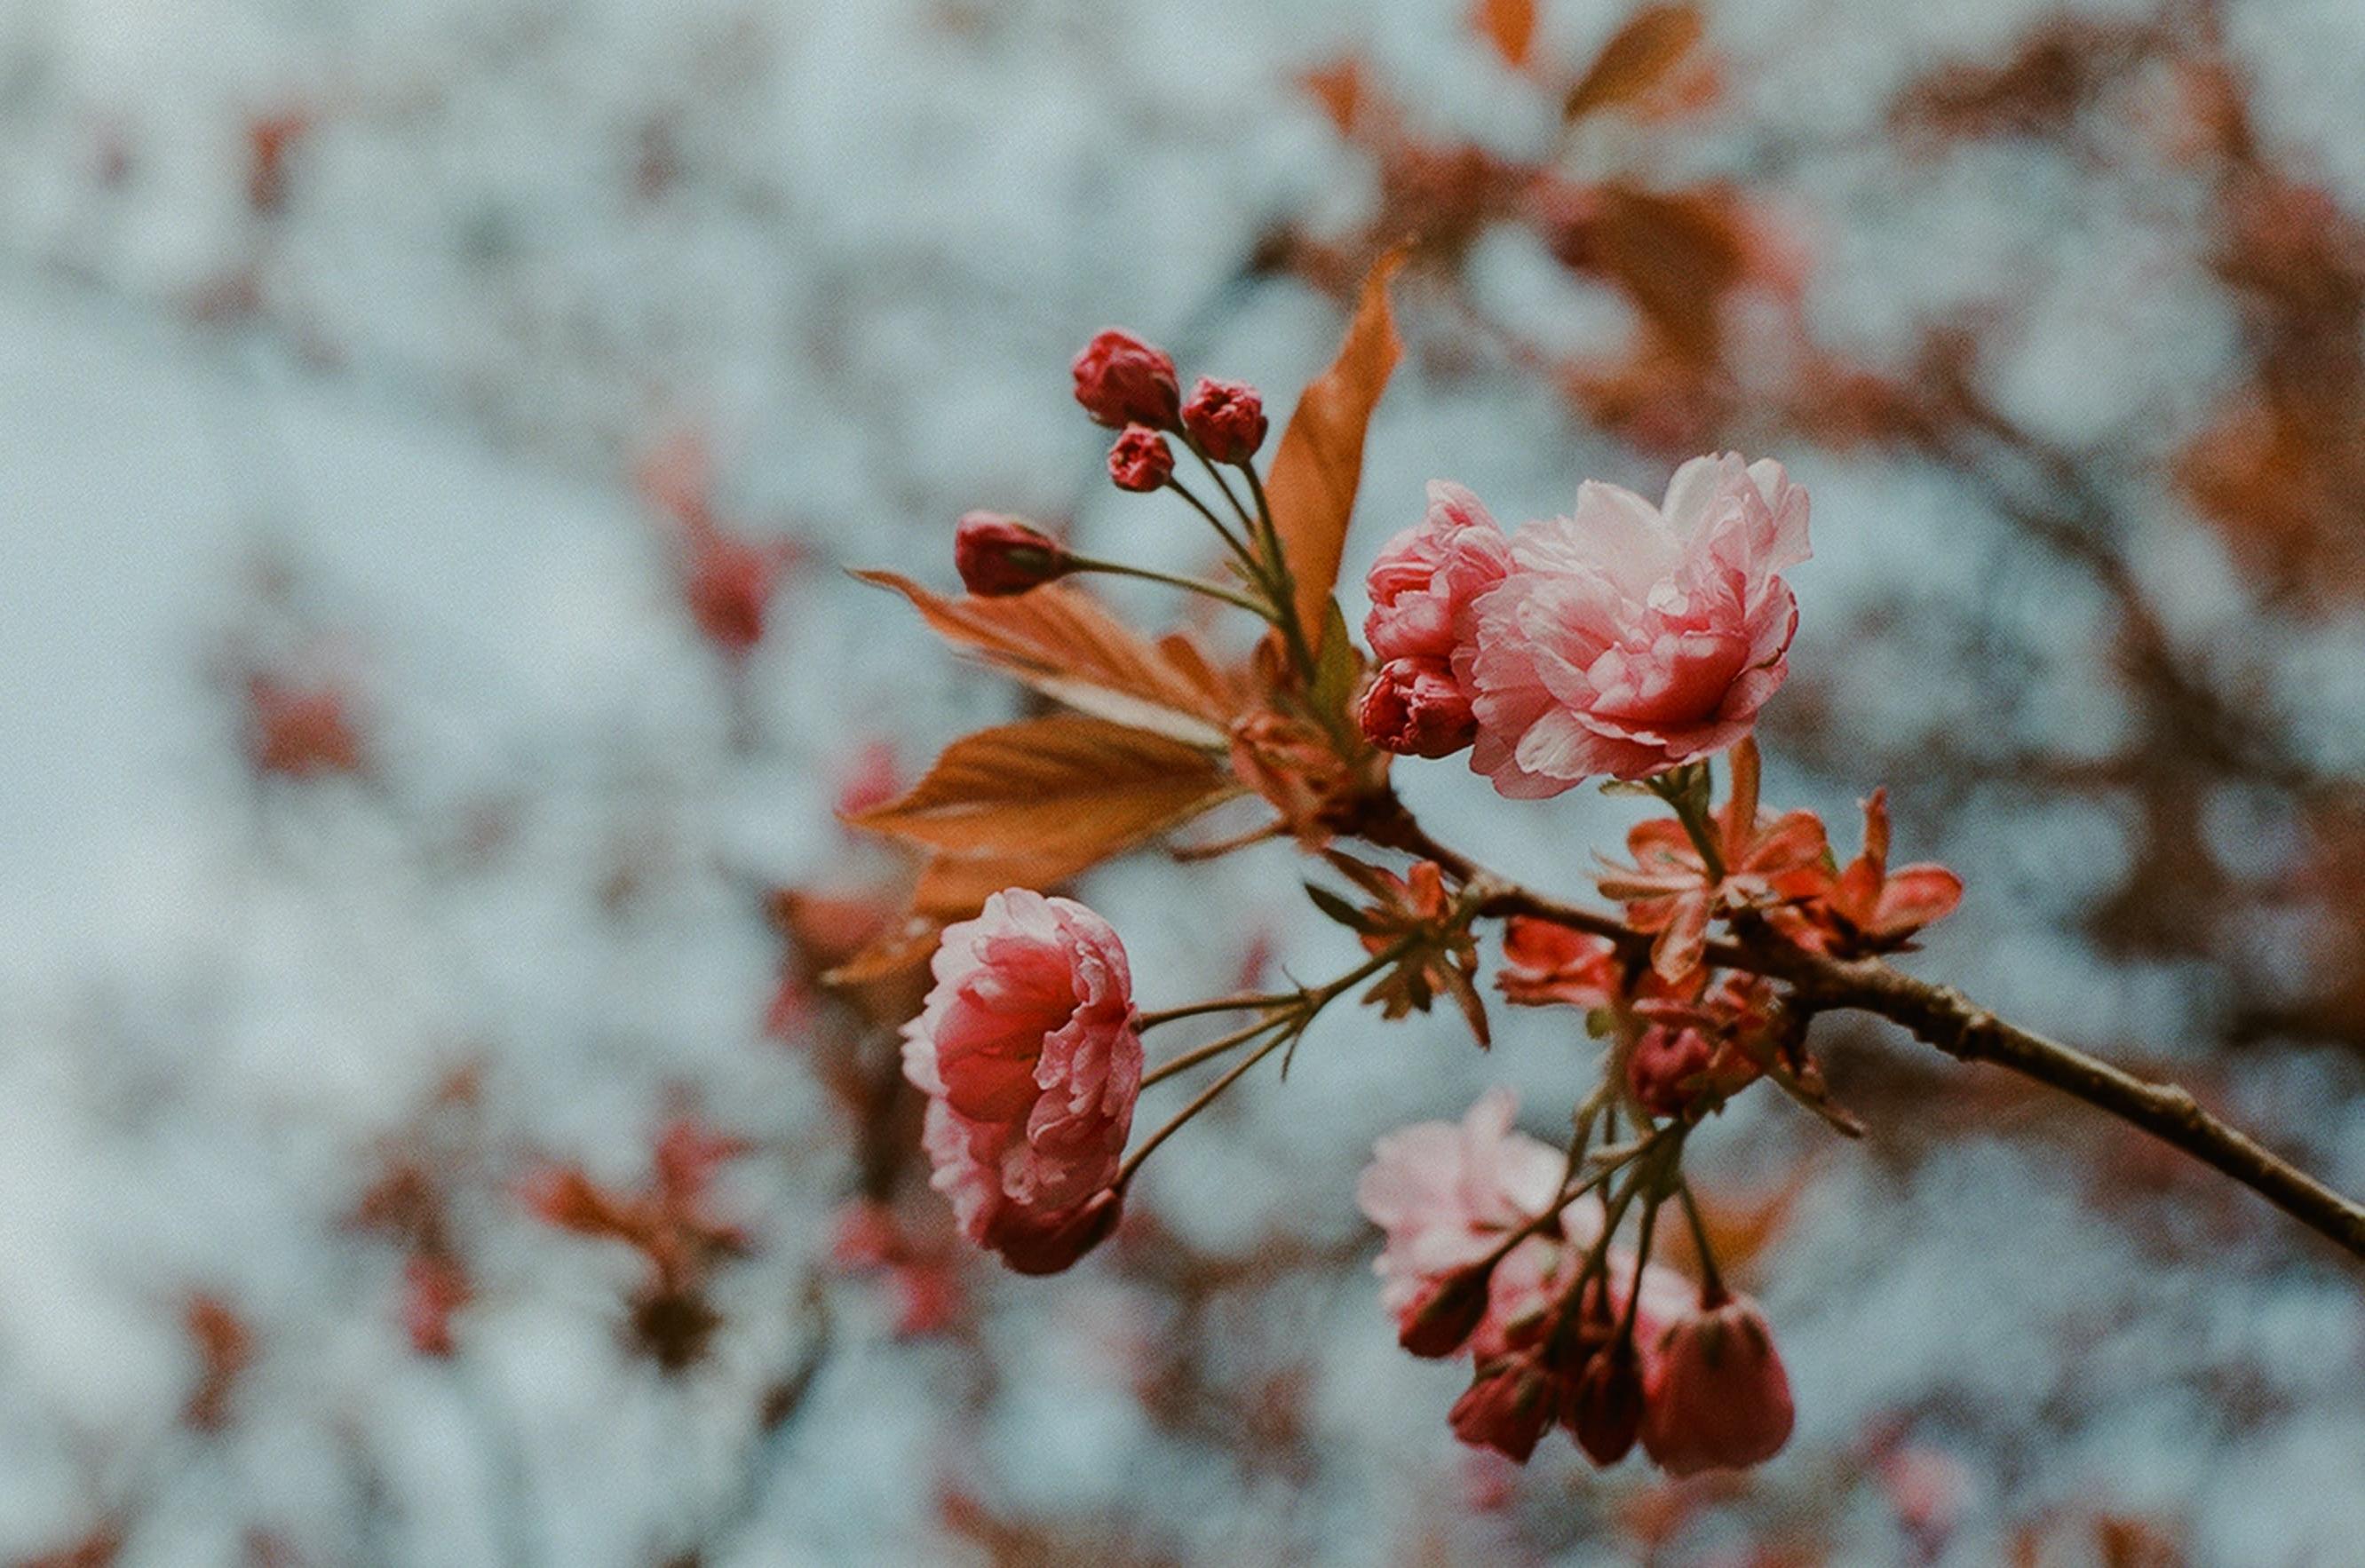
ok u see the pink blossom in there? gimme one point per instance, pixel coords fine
(1026, 1050)
(1628, 639)
(1414, 708)
(1715, 1393)
(1426, 578)
(1447, 1194)
(1446, 1191)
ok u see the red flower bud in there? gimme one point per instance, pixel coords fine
(1508, 1408)
(1715, 1396)
(1121, 380)
(1030, 1245)
(1140, 460)
(1605, 1409)
(1225, 418)
(999, 556)
(1442, 1321)
(1414, 707)
(1665, 1060)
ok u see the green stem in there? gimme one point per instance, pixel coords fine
(1698, 827)
(1148, 1021)
(1239, 548)
(1289, 1023)
(1711, 1282)
(1191, 585)
(1285, 581)
(1217, 473)
(1204, 1098)
(1641, 1261)
(1207, 1052)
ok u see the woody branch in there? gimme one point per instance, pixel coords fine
(1944, 1018)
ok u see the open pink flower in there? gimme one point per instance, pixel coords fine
(1424, 579)
(1446, 1191)
(1715, 1396)
(1628, 639)
(1447, 1194)
(1027, 1053)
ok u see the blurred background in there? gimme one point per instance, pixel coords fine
(430, 436)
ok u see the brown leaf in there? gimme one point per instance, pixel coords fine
(1338, 89)
(1637, 57)
(1320, 459)
(1059, 640)
(1510, 26)
(902, 949)
(1675, 255)
(1066, 790)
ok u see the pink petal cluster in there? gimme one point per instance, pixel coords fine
(1625, 639)
(1446, 1191)
(1027, 1052)
(1701, 1386)
(1427, 577)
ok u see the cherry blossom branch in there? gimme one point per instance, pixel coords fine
(1944, 1018)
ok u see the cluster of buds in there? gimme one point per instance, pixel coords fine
(1489, 1255)
(670, 1222)
(1132, 387)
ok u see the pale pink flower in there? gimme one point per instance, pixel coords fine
(1425, 578)
(1447, 1194)
(1446, 1191)
(1628, 639)
(1715, 1396)
(1027, 1052)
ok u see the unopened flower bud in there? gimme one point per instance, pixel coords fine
(1121, 380)
(1414, 707)
(1665, 1062)
(1047, 1247)
(1715, 1396)
(1508, 1408)
(1140, 460)
(1442, 1320)
(1225, 418)
(998, 556)
(1605, 1409)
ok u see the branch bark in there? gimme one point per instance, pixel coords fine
(1941, 1017)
